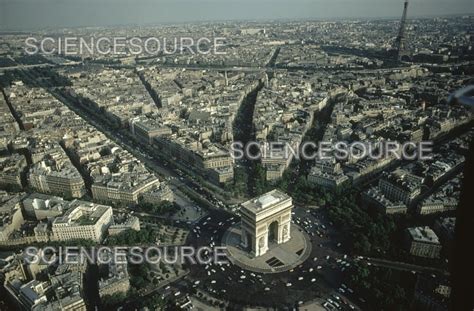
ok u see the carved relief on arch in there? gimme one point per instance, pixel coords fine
(285, 231)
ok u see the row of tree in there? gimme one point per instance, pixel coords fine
(382, 289)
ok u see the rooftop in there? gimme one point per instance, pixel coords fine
(265, 201)
(82, 213)
(423, 234)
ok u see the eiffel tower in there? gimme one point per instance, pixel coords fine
(400, 42)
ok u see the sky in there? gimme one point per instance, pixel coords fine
(40, 14)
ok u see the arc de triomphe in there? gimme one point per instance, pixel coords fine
(266, 219)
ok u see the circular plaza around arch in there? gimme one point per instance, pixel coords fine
(278, 258)
(265, 240)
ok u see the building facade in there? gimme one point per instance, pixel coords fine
(83, 220)
(423, 242)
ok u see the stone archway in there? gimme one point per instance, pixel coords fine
(249, 242)
(267, 219)
(273, 232)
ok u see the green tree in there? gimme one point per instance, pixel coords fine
(113, 300)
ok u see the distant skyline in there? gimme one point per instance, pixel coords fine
(40, 14)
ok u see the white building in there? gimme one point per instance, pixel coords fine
(83, 220)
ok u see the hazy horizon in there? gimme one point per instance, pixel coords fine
(41, 14)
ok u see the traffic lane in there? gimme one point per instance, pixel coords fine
(209, 230)
(327, 254)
